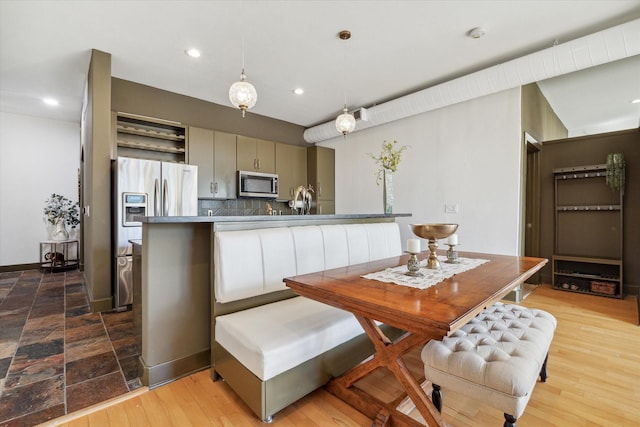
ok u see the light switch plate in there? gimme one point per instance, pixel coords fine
(451, 208)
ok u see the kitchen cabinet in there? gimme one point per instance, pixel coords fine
(321, 173)
(588, 232)
(215, 155)
(255, 154)
(201, 151)
(325, 207)
(291, 167)
(224, 155)
(146, 138)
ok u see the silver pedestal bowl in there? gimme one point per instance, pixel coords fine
(433, 232)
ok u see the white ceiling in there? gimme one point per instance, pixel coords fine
(397, 47)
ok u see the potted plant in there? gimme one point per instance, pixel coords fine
(615, 171)
(60, 212)
(388, 161)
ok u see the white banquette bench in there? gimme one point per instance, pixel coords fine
(271, 346)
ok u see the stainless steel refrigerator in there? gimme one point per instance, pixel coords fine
(145, 188)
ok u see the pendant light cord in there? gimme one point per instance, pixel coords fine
(242, 50)
(242, 43)
(345, 73)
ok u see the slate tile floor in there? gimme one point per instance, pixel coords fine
(56, 356)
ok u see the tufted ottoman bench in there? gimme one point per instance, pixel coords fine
(495, 358)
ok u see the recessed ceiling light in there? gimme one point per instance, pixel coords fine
(298, 91)
(476, 33)
(636, 101)
(193, 52)
(51, 101)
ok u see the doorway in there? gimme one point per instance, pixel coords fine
(532, 203)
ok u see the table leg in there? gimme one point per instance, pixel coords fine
(388, 355)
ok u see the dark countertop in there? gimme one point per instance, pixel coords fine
(253, 218)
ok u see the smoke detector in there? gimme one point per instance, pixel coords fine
(476, 33)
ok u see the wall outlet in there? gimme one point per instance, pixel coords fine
(209, 212)
(453, 208)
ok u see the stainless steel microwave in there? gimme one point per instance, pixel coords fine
(257, 184)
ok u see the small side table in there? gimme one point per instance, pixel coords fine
(58, 255)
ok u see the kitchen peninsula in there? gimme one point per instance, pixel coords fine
(172, 274)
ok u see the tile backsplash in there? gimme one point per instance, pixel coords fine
(241, 207)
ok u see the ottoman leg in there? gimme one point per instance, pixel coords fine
(436, 397)
(509, 420)
(543, 370)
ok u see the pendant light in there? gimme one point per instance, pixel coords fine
(345, 123)
(242, 94)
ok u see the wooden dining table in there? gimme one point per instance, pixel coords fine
(424, 314)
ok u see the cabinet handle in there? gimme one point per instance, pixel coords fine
(211, 188)
(319, 190)
(215, 188)
(258, 160)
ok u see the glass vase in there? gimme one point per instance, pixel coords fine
(387, 191)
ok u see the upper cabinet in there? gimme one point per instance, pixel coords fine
(215, 155)
(291, 167)
(226, 180)
(321, 172)
(255, 155)
(201, 153)
(146, 138)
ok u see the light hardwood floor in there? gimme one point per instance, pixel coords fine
(594, 380)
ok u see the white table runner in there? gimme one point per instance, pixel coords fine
(429, 276)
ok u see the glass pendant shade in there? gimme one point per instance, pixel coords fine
(242, 94)
(345, 123)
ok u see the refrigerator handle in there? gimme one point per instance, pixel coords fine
(156, 198)
(165, 198)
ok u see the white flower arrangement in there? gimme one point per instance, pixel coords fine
(388, 159)
(59, 208)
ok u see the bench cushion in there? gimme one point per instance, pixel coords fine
(276, 337)
(496, 357)
(254, 262)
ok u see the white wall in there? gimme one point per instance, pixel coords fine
(37, 157)
(467, 154)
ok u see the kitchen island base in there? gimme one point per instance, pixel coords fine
(173, 281)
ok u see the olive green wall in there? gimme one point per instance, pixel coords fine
(96, 185)
(592, 150)
(134, 98)
(538, 118)
(105, 94)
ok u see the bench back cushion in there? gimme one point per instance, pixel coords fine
(254, 262)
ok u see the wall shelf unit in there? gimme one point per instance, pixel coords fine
(148, 138)
(588, 232)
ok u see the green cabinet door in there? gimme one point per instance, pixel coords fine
(291, 167)
(201, 147)
(225, 178)
(256, 155)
